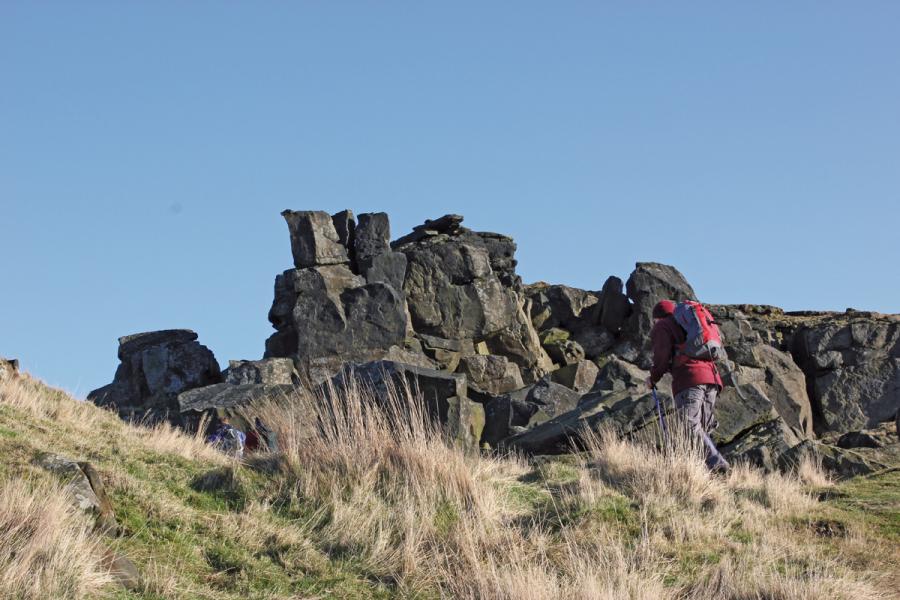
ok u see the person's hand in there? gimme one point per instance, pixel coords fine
(650, 384)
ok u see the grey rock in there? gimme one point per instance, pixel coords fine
(844, 464)
(274, 371)
(373, 235)
(124, 572)
(595, 341)
(614, 307)
(314, 240)
(448, 224)
(762, 445)
(155, 367)
(648, 284)
(525, 408)
(563, 306)
(345, 227)
(502, 251)
(621, 412)
(617, 374)
(564, 352)
(580, 376)
(85, 488)
(335, 317)
(452, 291)
(225, 396)
(389, 268)
(491, 374)
(861, 439)
(852, 366)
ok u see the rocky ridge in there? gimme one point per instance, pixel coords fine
(504, 364)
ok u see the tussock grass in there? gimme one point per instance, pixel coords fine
(368, 500)
(47, 548)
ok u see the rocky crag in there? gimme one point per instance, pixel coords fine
(508, 365)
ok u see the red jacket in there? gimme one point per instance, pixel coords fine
(665, 336)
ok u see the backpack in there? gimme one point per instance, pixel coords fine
(231, 441)
(703, 340)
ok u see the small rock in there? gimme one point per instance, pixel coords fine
(314, 241)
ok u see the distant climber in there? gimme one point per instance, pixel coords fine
(695, 381)
(228, 438)
(260, 438)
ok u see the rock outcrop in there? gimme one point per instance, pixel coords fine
(154, 368)
(531, 367)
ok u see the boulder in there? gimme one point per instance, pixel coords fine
(314, 240)
(580, 376)
(621, 412)
(448, 224)
(617, 374)
(520, 343)
(842, 463)
(155, 367)
(228, 397)
(501, 252)
(614, 305)
(562, 306)
(85, 488)
(373, 235)
(762, 445)
(453, 292)
(595, 341)
(443, 395)
(341, 317)
(524, 408)
(491, 374)
(345, 227)
(862, 439)
(446, 353)
(648, 284)
(9, 369)
(273, 371)
(564, 352)
(852, 367)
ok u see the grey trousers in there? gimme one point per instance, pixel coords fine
(696, 406)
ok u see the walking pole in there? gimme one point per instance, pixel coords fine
(662, 418)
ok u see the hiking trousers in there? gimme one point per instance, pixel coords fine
(695, 407)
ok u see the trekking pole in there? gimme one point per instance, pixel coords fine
(662, 418)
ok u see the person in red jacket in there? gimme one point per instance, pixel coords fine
(695, 383)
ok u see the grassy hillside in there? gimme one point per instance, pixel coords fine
(376, 506)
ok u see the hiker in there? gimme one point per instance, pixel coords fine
(261, 438)
(695, 382)
(228, 438)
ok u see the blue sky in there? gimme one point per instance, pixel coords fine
(147, 148)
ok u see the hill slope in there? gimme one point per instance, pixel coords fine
(377, 506)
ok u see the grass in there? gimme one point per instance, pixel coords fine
(371, 502)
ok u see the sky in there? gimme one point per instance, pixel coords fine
(147, 149)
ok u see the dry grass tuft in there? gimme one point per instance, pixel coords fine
(47, 548)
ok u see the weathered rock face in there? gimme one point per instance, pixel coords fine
(9, 368)
(444, 306)
(273, 371)
(443, 395)
(852, 365)
(323, 311)
(314, 240)
(623, 412)
(648, 284)
(155, 367)
(491, 374)
(523, 409)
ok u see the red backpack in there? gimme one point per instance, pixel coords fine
(703, 341)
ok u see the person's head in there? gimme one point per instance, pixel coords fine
(663, 309)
